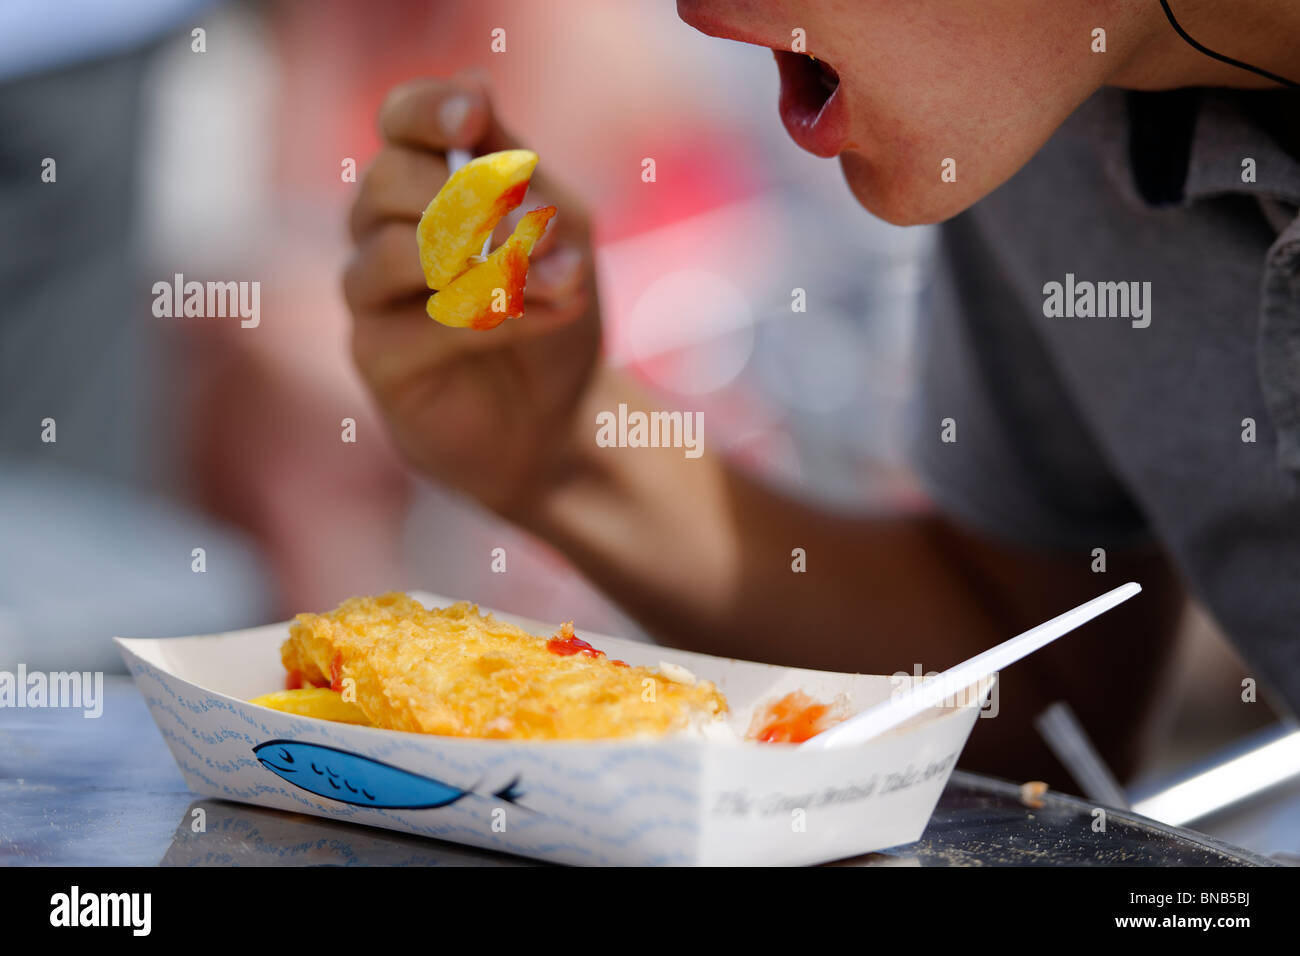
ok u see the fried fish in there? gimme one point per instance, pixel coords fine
(461, 673)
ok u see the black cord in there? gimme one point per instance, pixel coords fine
(1220, 57)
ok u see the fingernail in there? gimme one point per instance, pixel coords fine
(452, 113)
(559, 267)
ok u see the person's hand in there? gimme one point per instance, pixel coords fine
(488, 412)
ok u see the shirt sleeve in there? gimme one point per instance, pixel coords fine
(1019, 464)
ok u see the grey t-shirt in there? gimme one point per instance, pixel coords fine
(1076, 432)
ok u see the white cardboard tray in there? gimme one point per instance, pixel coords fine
(635, 802)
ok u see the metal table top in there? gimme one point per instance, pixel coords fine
(91, 792)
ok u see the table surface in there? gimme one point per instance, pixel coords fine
(93, 792)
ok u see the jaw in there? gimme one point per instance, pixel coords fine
(896, 198)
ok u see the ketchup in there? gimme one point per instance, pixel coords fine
(566, 644)
(791, 720)
(297, 680)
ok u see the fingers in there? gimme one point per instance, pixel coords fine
(389, 348)
(385, 269)
(398, 184)
(392, 346)
(442, 114)
(435, 114)
(384, 285)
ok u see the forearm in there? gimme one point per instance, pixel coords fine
(704, 557)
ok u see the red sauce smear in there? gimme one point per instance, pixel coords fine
(566, 644)
(514, 265)
(336, 673)
(791, 720)
(509, 199)
(297, 680)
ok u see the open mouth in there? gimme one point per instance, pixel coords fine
(812, 103)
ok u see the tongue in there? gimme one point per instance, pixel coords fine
(810, 104)
(803, 83)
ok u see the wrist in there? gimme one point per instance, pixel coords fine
(572, 468)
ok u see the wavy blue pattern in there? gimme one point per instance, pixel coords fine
(593, 803)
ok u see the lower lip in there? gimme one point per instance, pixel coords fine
(816, 122)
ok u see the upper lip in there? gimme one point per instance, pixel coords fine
(706, 22)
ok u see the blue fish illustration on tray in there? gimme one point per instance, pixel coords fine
(363, 782)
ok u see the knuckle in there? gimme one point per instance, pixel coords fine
(384, 267)
(395, 97)
(370, 191)
(374, 182)
(351, 280)
(395, 185)
(394, 244)
(360, 350)
(376, 172)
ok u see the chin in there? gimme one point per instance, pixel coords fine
(901, 198)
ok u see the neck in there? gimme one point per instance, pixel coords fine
(1263, 33)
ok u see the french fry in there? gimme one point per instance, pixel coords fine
(319, 702)
(466, 210)
(471, 292)
(487, 294)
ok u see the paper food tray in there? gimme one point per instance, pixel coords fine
(633, 802)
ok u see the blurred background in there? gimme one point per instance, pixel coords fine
(227, 163)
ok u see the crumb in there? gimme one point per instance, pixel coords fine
(1031, 794)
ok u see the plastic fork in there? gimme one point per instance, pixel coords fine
(925, 694)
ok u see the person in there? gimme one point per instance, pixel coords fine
(1072, 152)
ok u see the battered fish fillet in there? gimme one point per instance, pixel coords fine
(460, 673)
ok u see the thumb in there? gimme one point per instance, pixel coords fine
(489, 135)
